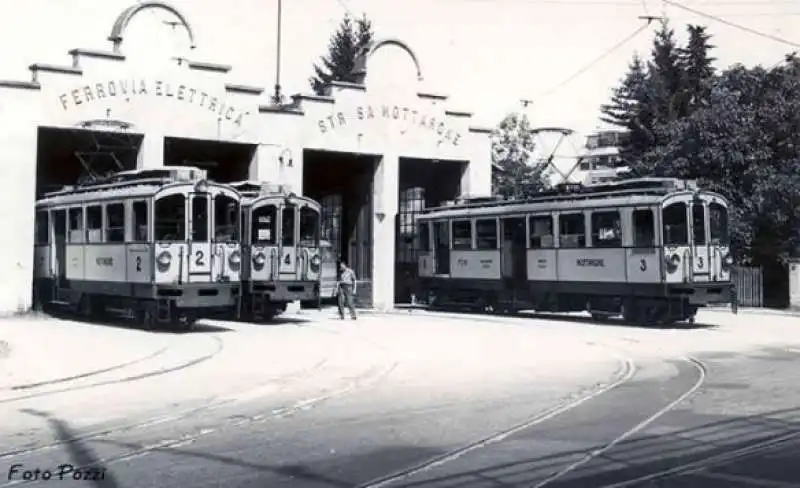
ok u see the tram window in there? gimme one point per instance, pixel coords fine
(541, 232)
(309, 227)
(718, 221)
(643, 228)
(606, 229)
(170, 218)
(42, 228)
(676, 231)
(572, 230)
(263, 225)
(462, 234)
(140, 221)
(423, 237)
(699, 224)
(226, 219)
(287, 225)
(115, 222)
(76, 225)
(486, 234)
(94, 223)
(200, 218)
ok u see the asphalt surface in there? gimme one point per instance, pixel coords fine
(726, 418)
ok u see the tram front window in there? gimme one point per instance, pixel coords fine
(226, 219)
(200, 218)
(264, 225)
(718, 221)
(676, 228)
(170, 218)
(309, 227)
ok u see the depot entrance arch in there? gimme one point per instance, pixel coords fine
(372, 161)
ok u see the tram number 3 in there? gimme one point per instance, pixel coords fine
(199, 258)
(643, 265)
(700, 262)
(138, 264)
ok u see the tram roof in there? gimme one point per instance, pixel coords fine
(640, 191)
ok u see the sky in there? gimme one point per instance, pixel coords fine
(486, 54)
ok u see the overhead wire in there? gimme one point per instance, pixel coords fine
(593, 62)
(733, 24)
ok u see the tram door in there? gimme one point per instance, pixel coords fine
(60, 240)
(441, 247)
(200, 255)
(513, 254)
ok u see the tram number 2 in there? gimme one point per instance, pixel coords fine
(199, 258)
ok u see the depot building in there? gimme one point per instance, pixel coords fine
(372, 159)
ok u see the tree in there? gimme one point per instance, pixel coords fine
(516, 174)
(666, 76)
(697, 65)
(344, 46)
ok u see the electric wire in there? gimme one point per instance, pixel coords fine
(596, 60)
(732, 24)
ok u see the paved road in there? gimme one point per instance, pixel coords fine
(441, 402)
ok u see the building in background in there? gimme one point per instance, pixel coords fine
(601, 161)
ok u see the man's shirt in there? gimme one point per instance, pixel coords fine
(348, 277)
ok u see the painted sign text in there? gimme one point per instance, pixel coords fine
(129, 89)
(593, 263)
(390, 112)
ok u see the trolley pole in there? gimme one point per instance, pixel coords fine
(277, 97)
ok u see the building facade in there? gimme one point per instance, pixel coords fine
(601, 160)
(97, 108)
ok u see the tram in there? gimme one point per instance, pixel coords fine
(281, 244)
(158, 245)
(652, 250)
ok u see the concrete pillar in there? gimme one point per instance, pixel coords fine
(264, 165)
(476, 180)
(383, 234)
(151, 152)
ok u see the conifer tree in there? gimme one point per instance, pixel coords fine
(517, 174)
(345, 44)
(667, 78)
(697, 65)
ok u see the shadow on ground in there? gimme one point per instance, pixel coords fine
(725, 453)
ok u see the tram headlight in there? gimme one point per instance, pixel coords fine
(235, 260)
(258, 261)
(315, 263)
(727, 262)
(672, 263)
(163, 261)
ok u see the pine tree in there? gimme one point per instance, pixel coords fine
(345, 45)
(624, 102)
(667, 76)
(697, 66)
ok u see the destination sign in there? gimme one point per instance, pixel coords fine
(591, 263)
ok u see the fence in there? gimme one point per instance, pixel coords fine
(749, 283)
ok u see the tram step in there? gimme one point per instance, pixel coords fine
(124, 312)
(62, 303)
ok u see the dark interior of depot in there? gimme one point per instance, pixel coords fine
(343, 184)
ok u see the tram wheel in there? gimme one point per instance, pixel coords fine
(146, 316)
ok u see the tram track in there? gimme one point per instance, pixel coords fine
(364, 380)
(217, 346)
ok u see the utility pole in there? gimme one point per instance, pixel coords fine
(277, 98)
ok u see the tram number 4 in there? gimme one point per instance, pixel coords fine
(199, 258)
(287, 259)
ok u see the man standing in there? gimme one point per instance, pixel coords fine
(346, 290)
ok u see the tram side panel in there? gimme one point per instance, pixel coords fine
(105, 270)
